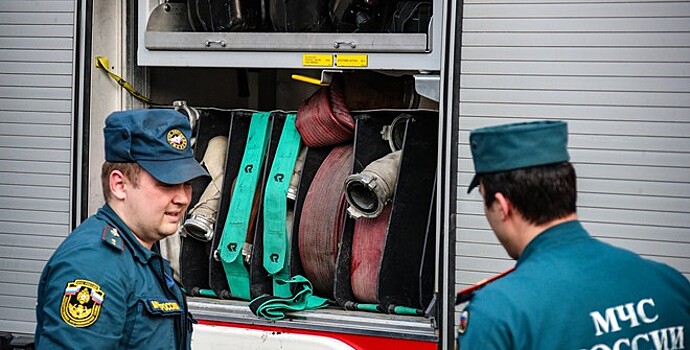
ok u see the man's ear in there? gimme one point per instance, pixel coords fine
(505, 205)
(118, 183)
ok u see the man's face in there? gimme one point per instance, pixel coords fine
(153, 210)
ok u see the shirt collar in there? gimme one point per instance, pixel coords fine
(563, 233)
(139, 251)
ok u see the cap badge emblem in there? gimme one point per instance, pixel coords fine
(177, 139)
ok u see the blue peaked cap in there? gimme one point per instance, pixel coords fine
(519, 145)
(157, 140)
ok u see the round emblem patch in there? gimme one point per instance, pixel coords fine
(464, 322)
(177, 139)
(81, 303)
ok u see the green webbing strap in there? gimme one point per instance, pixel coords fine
(236, 225)
(274, 308)
(276, 243)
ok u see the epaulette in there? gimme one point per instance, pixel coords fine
(466, 294)
(112, 238)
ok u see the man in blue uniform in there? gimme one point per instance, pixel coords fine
(107, 286)
(568, 290)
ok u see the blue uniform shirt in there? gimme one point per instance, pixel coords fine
(570, 291)
(102, 289)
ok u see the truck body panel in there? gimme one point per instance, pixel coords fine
(617, 72)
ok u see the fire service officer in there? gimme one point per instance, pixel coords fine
(107, 286)
(568, 290)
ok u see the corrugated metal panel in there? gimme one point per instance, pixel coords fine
(36, 82)
(619, 73)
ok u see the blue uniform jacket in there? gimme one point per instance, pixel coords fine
(571, 292)
(102, 289)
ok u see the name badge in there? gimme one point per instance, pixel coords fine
(163, 307)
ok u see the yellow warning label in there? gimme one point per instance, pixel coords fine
(351, 60)
(317, 60)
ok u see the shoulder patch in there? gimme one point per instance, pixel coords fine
(112, 238)
(81, 303)
(464, 321)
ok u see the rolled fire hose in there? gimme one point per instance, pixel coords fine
(202, 217)
(322, 219)
(371, 232)
(368, 241)
(368, 192)
(324, 119)
(278, 218)
(235, 230)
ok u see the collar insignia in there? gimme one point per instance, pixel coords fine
(81, 303)
(112, 238)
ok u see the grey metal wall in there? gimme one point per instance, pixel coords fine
(36, 84)
(619, 73)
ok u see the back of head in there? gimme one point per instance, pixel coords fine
(541, 193)
(529, 164)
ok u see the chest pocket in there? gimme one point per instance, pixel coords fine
(154, 325)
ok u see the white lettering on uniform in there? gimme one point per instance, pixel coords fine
(678, 337)
(630, 315)
(637, 338)
(643, 314)
(660, 337)
(600, 347)
(617, 344)
(609, 323)
(671, 338)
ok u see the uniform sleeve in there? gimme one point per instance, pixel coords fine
(82, 301)
(485, 328)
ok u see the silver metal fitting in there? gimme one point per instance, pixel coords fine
(192, 113)
(198, 227)
(247, 252)
(365, 196)
(395, 132)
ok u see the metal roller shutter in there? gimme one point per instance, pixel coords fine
(619, 73)
(36, 87)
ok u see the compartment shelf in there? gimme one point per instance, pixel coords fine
(383, 51)
(329, 319)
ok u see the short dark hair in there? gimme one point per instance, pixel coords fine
(130, 170)
(541, 193)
